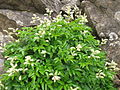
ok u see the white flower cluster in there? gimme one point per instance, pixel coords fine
(1, 85)
(104, 41)
(13, 69)
(20, 78)
(100, 74)
(94, 53)
(84, 32)
(55, 76)
(46, 19)
(39, 34)
(72, 12)
(112, 66)
(58, 18)
(44, 53)
(49, 12)
(28, 60)
(83, 19)
(9, 34)
(78, 47)
(13, 65)
(74, 49)
(35, 18)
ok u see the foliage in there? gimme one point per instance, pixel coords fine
(56, 55)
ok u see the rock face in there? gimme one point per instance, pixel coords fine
(30, 5)
(22, 18)
(104, 17)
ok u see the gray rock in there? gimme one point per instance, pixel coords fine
(104, 16)
(22, 18)
(31, 5)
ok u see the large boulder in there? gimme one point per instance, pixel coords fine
(22, 18)
(30, 5)
(104, 17)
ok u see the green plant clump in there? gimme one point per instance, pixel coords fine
(56, 55)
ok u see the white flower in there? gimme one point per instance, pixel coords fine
(41, 32)
(34, 15)
(10, 58)
(95, 51)
(6, 88)
(112, 65)
(32, 21)
(49, 11)
(20, 77)
(43, 52)
(84, 32)
(74, 88)
(28, 57)
(116, 69)
(1, 47)
(59, 25)
(20, 69)
(36, 33)
(104, 41)
(93, 54)
(47, 40)
(26, 63)
(17, 40)
(55, 78)
(25, 69)
(83, 18)
(36, 38)
(49, 33)
(73, 53)
(12, 69)
(1, 84)
(31, 59)
(100, 74)
(78, 47)
(72, 48)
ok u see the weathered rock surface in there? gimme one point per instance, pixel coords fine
(22, 18)
(104, 16)
(30, 5)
